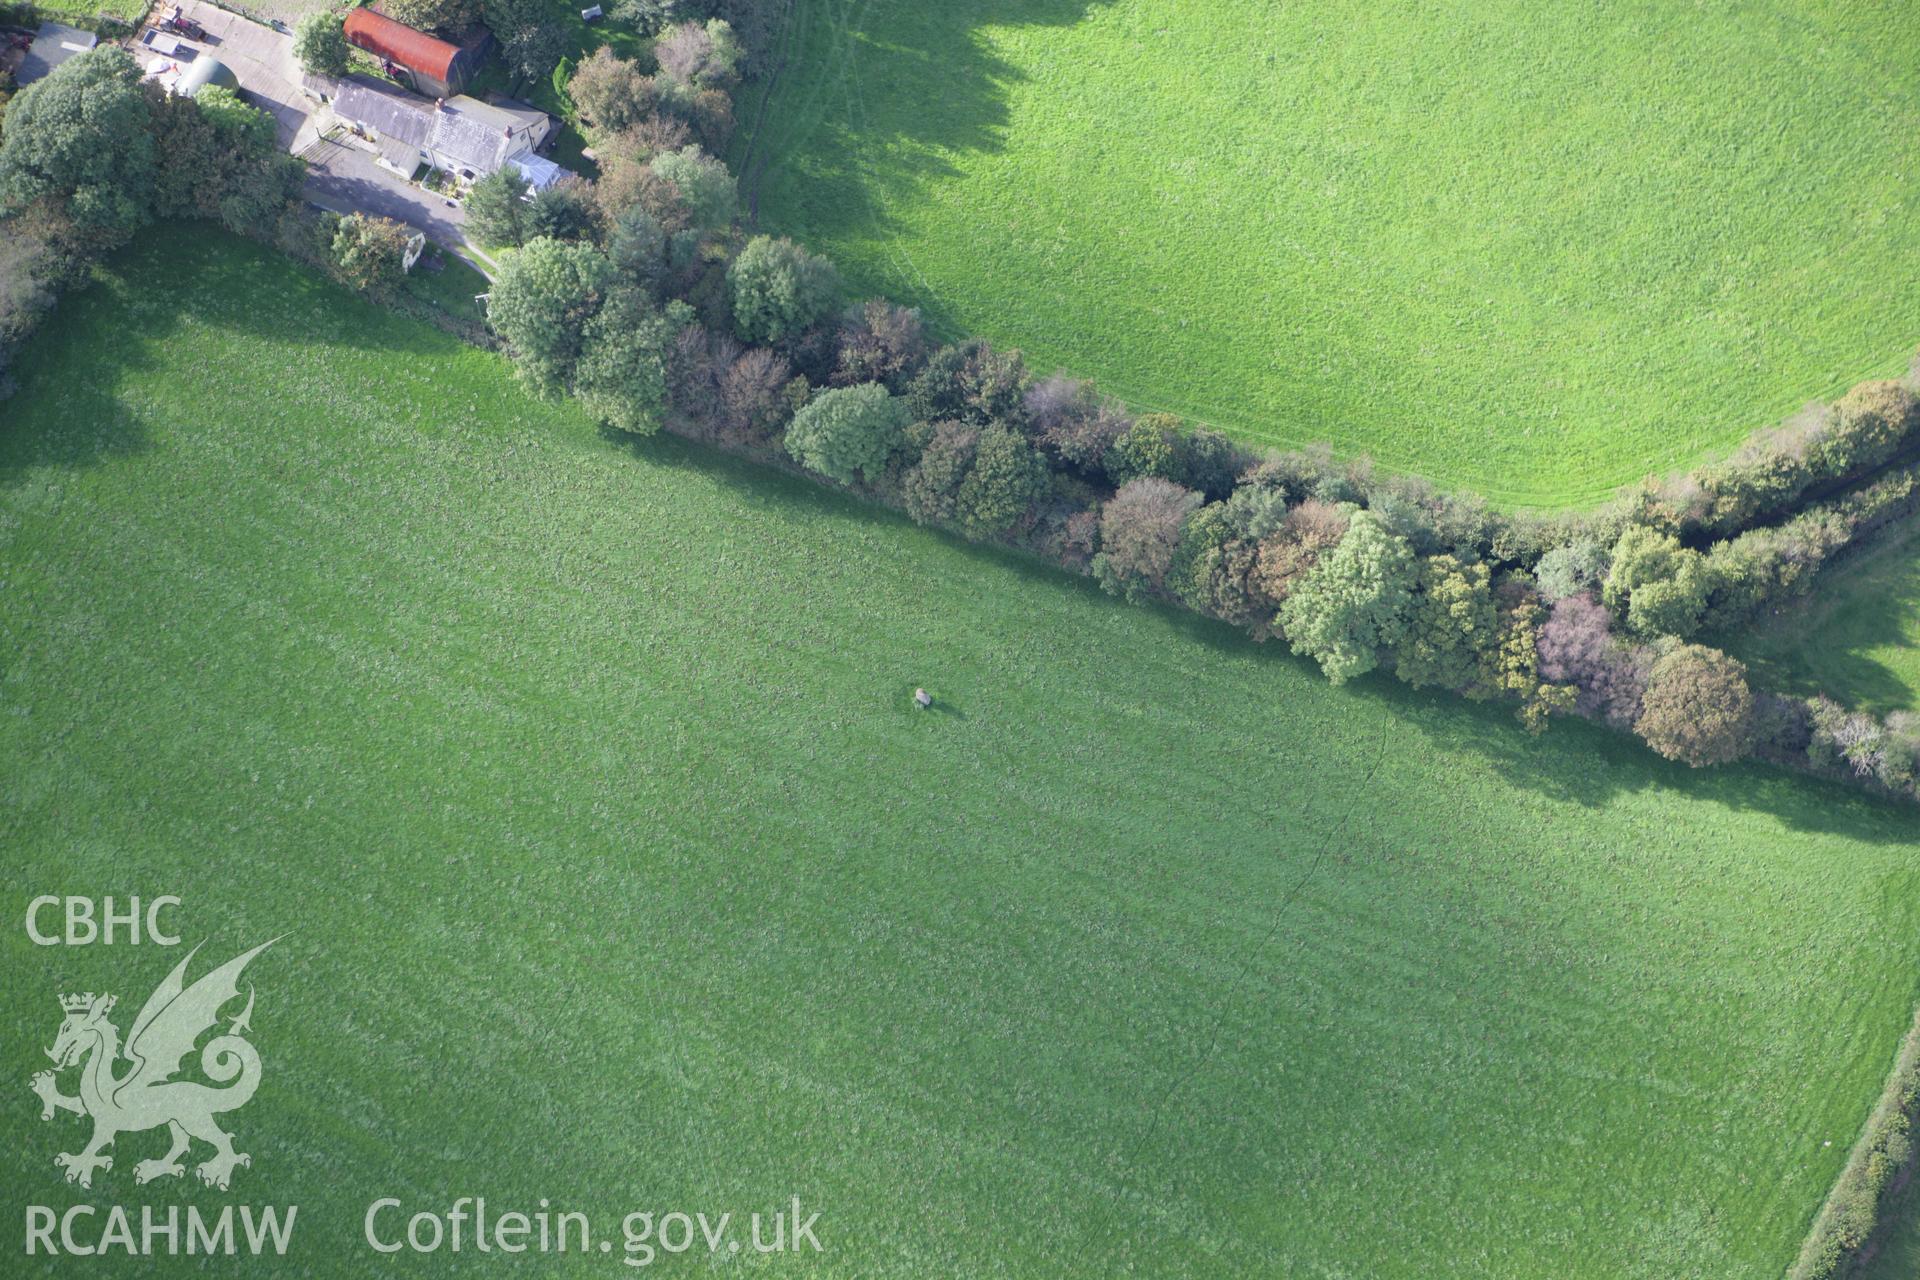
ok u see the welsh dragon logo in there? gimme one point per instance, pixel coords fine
(145, 1095)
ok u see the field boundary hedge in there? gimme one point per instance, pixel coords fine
(645, 298)
(108, 26)
(1848, 1220)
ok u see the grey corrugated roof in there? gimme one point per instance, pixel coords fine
(52, 45)
(203, 71)
(389, 114)
(400, 153)
(471, 140)
(463, 132)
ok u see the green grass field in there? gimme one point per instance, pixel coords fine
(1857, 637)
(87, 11)
(1538, 250)
(616, 868)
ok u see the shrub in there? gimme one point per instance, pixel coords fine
(82, 136)
(1354, 603)
(540, 304)
(1763, 565)
(1698, 708)
(1140, 530)
(1872, 1174)
(704, 183)
(1075, 539)
(320, 43)
(1871, 423)
(1782, 727)
(1577, 647)
(1824, 446)
(971, 383)
(37, 261)
(848, 432)
(610, 93)
(1856, 743)
(779, 290)
(367, 252)
(879, 342)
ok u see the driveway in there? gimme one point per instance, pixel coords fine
(260, 58)
(347, 180)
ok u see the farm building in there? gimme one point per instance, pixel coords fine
(431, 65)
(52, 45)
(461, 136)
(189, 77)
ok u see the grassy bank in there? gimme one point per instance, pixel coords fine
(1856, 637)
(619, 869)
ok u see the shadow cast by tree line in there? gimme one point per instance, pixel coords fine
(1868, 603)
(1574, 762)
(860, 163)
(96, 424)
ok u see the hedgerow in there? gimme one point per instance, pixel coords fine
(657, 308)
(1846, 1222)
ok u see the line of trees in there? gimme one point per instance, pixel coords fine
(642, 296)
(747, 341)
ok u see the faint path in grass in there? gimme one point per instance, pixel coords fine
(1333, 837)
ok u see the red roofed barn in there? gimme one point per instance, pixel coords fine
(435, 67)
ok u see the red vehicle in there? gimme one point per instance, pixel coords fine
(180, 24)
